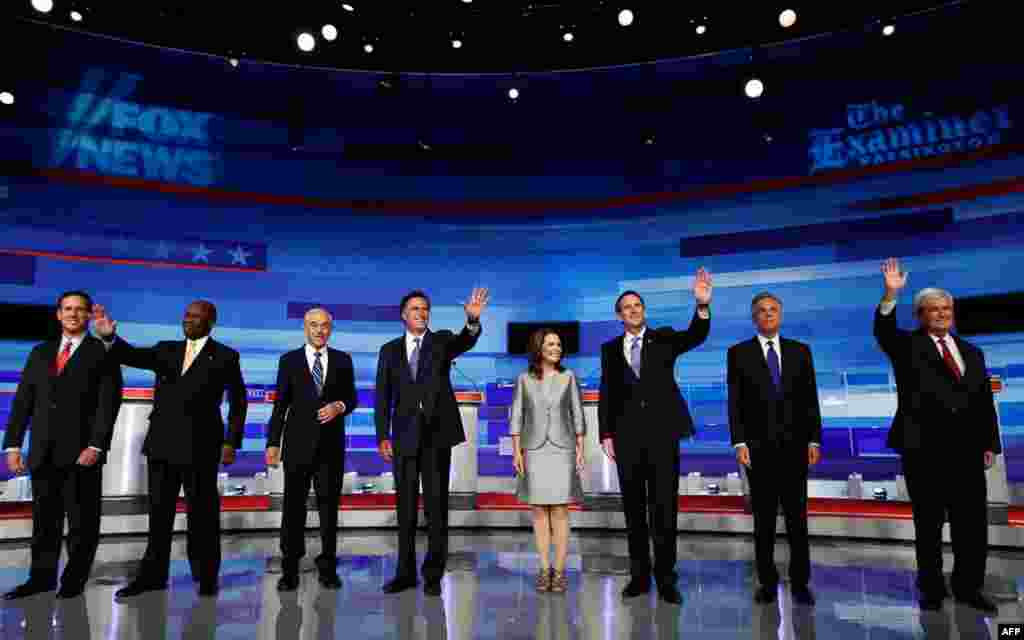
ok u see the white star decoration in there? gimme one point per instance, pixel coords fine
(239, 255)
(163, 250)
(200, 253)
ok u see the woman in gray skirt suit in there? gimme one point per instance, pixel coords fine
(547, 429)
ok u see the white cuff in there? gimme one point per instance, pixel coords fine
(739, 444)
(885, 307)
(473, 328)
(814, 444)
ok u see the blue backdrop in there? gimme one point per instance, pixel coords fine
(152, 178)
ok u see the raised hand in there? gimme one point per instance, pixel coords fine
(476, 304)
(702, 287)
(894, 278)
(101, 322)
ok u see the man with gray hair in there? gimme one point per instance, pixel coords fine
(316, 389)
(946, 433)
(775, 425)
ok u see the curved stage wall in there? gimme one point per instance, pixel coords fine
(119, 177)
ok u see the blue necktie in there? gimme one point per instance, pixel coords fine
(414, 358)
(634, 356)
(318, 373)
(773, 366)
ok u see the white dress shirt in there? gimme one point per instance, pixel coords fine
(777, 346)
(311, 358)
(197, 346)
(627, 344)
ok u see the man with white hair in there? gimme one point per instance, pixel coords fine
(946, 432)
(316, 389)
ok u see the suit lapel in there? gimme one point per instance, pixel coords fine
(790, 364)
(426, 353)
(756, 354)
(304, 372)
(206, 353)
(332, 368)
(968, 359)
(403, 360)
(50, 354)
(932, 353)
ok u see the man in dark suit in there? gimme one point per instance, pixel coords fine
(70, 390)
(946, 432)
(775, 423)
(185, 442)
(316, 389)
(418, 423)
(642, 418)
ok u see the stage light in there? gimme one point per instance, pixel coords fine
(787, 18)
(888, 30)
(754, 88)
(456, 43)
(42, 6)
(368, 48)
(513, 93)
(306, 41)
(7, 98)
(233, 62)
(467, 1)
(701, 29)
(347, 7)
(330, 32)
(625, 17)
(567, 36)
(76, 16)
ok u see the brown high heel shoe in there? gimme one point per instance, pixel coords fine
(559, 583)
(543, 582)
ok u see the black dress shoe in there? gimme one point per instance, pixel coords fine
(70, 591)
(330, 580)
(432, 588)
(208, 589)
(977, 601)
(399, 584)
(766, 594)
(288, 582)
(636, 587)
(137, 588)
(670, 593)
(803, 595)
(28, 589)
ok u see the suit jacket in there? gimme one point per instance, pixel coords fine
(548, 409)
(69, 412)
(934, 410)
(298, 402)
(655, 397)
(186, 426)
(400, 401)
(761, 415)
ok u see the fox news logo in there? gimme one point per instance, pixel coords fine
(112, 135)
(877, 134)
(1014, 630)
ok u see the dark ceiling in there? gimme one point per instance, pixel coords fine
(497, 36)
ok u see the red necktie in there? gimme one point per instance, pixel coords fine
(947, 355)
(63, 357)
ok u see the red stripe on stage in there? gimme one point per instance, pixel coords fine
(126, 261)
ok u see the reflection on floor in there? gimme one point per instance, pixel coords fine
(863, 591)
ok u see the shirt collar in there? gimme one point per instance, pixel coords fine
(199, 343)
(630, 337)
(409, 337)
(764, 339)
(311, 351)
(75, 340)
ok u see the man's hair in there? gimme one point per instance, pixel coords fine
(211, 309)
(764, 295)
(618, 301)
(75, 293)
(924, 295)
(327, 313)
(415, 293)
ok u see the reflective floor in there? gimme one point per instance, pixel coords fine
(864, 591)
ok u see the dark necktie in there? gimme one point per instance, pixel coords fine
(414, 358)
(947, 355)
(772, 357)
(318, 373)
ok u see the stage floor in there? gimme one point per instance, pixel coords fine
(863, 590)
